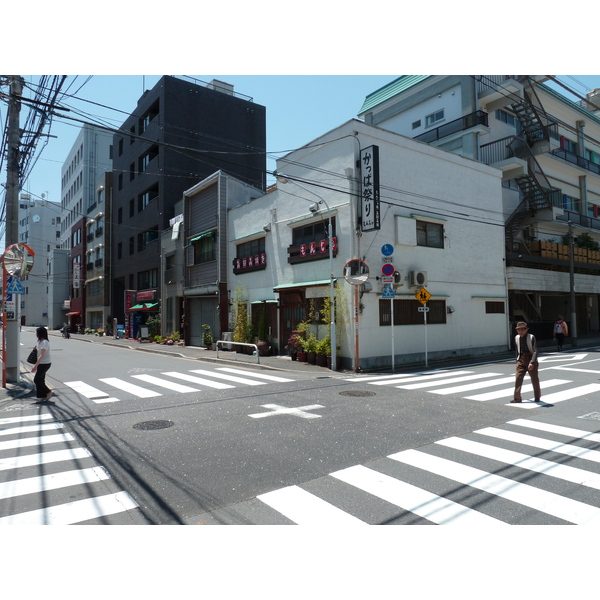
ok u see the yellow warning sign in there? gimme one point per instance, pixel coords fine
(423, 296)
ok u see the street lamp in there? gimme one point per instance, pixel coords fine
(281, 178)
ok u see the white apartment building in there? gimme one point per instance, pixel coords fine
(548, 149)
(39, 228)
(441, 228)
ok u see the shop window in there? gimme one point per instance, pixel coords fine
(250, 256)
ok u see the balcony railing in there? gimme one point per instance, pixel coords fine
(494, 82)
(472, 120)
(580, 161)
(578, 219)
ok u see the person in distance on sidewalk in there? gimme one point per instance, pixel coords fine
(42, 365)
(527, 362)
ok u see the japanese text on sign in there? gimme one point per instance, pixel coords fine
(369, 165)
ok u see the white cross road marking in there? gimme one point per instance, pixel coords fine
(130, 388)
(30, 428)
(282, 410)
(9, 420)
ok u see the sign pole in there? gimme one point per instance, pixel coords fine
(4, 278)
(393, 349)
(425, 321)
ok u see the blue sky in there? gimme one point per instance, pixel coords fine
(299, 108)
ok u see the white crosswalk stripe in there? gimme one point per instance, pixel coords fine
(457, 383)
(222, 378)
(38, 480)
(453, 482)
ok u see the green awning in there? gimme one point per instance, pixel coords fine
(145, 306)
(304, 284)
(204, 234)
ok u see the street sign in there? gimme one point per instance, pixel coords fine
(423, 296)
(14, 286)
(387, 249)
(388, 269)
(388, 292)
(423, 309)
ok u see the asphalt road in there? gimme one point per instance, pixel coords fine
(207, 443)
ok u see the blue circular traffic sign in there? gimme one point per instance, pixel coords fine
(387, 249)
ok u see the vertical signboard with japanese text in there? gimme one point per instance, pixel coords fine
(369, 168)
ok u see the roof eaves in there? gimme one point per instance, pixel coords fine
(395, 87)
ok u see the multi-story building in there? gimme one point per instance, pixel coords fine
(39, 228)
(434, 221)
(88, 160)
(179, 133)
(548, 148)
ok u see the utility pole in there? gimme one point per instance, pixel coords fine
(13, 371)
(573, 331)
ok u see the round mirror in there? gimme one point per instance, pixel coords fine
(17, 260)
(356, 272)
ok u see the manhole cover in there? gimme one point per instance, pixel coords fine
(357, 394)
(153, 425)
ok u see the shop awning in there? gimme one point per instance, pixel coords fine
(208, 233)
(144, 306)
(70, 314)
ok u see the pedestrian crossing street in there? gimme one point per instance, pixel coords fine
(47, 478)
(524, 472)
(148, 386)
(471, 385)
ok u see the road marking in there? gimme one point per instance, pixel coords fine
(425, 378)
(569, 510)
(509, 392)
(31, 428)
(24, 419)
(570, 394)
(568, 431)
(541, 443)
(474, 386)
(228, 377)
(560, 357)
(524, 461)
(37, 441)
(282, 410)
(304, 508)
(175, 387)
(259, 375)
(31, 460)
(575, 369)
(130, 388)
(55, 481)
(408, 497)
(416, 386)
(74, 512)
(213, 384)
(86, 390)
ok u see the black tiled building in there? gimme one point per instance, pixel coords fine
(180, 133)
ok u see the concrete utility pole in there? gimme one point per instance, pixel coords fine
(13, 371)
(573, 331)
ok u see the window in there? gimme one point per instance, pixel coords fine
(434, 118)
(430, 234)
(148, 196)
(494, 308)
(120, 250)
(570, 203)
(147, 237)
(120, 215)
(131, 171)
(148, 279)
(250, 256)
(416, 124)
(406, 312)
(568, 145)
(131, 245)
(132, 207)
(509, 119)
(203, 249)
(313, 232)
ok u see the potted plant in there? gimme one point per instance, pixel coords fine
(207, 337)
(310, 345)
(323, 351)
(294, 344)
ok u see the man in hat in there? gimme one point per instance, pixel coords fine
(526, 362)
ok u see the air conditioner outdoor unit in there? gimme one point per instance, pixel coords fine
(418, 278)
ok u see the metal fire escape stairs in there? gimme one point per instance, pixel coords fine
(534, 185)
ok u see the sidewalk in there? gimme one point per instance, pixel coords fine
(279, 363)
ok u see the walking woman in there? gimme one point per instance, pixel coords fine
(43, 363)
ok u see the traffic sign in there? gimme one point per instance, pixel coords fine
(423, 296)
(387, 249)
(14, 286)
(388, 292)
(423, 309)
(388, 269)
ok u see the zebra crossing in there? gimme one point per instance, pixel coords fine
(222, 378)
(47, 478)
(465, 383)
(512, 474)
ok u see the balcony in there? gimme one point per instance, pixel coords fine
(475, 119)
(550, 256)
(497, 91)
(579, 161)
